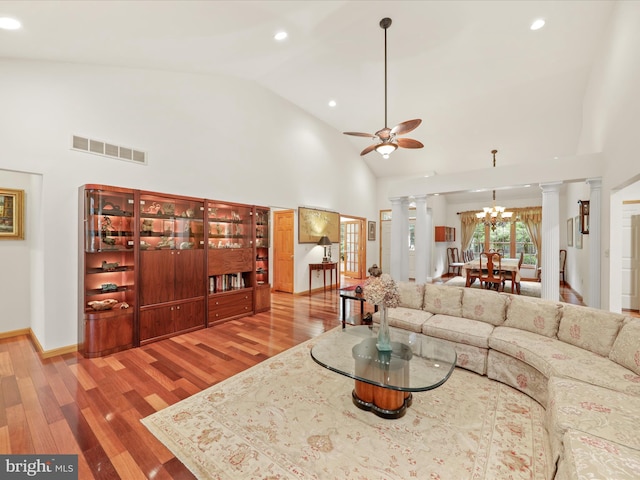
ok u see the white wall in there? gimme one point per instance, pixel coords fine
(610, 124)
(206, 136)
(16, 261)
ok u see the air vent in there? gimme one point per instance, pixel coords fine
(98, 147)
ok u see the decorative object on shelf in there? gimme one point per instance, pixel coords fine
(374, 270)
(584, 216)
(124, 306)
(106, 304)
(189, 213)
(494, 216)
(382, 291)
(109, 241)
(168, 209)
(144, 245)
(326, 244)
(387, 138)
(147, 226)
(166, 242)
(109, 266)
(154, 209)
(109, 287)
(186, 245)
(109, 206)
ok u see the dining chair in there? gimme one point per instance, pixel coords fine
(512, 276)
(563, 263)
(455, 265)
(491, 274)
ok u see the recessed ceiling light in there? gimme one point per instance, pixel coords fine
(537, 24)
(7, 23)
(436, 194)
(280, 36)
(332, 103)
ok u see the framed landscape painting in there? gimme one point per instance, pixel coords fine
(314, 224)
(11, 214)
(570, 232)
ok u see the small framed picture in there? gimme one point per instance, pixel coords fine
(11, 214)
(372, 231)
(570, 232)
(576, 228)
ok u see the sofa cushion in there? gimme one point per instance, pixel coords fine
(444, 300)
(540, 317)
(411, 294)
(484, 305)
(586, 456)
(599, 411)
(553, 357)
(458, 329)
(589, 328)
(405, 318)
(626, 348)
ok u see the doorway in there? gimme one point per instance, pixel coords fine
(283, 265)
(353, 247)
(631, 255)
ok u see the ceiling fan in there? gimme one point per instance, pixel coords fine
(387, 139)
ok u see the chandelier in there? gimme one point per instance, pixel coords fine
(494, 216)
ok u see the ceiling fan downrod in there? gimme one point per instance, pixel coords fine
(384, 24)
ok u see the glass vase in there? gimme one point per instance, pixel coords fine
(384, 338)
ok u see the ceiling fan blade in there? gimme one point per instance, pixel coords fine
(408, 143)
(369, 149)
(406, 127)
(359, 134)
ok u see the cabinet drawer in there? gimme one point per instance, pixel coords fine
(230, 305)
(229, 260)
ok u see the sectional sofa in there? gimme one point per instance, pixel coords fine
(581, 364)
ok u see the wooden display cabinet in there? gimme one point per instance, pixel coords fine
(230, 260)
(107, 270)
(171, 280)
(263, 287)
(445, 234)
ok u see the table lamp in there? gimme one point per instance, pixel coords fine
(326, 243)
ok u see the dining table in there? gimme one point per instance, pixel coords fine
(507, 265)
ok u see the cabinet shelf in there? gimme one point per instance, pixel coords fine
(111, 213)
(124, 268)
(98, 291)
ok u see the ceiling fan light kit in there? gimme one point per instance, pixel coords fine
(388, 138)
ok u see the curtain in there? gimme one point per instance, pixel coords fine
(532, 218)
(468, 222)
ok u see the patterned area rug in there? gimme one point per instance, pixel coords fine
(289, 418)
(529, 289)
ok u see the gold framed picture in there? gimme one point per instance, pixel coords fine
(11, 214)
(314, 224)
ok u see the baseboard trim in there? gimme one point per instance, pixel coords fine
(50, 353)
(34, 340)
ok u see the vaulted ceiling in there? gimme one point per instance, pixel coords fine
(473, 71)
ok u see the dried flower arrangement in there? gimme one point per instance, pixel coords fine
(382, 290)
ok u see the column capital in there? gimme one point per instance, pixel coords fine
(397, 200)
(594, 183)
(550, 186)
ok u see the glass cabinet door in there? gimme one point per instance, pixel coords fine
(171, 223)
(229, 225)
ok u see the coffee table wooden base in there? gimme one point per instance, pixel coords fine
(383, 402)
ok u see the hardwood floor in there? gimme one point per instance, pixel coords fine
(92, 407)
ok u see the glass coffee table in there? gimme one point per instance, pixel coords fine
(384, 381)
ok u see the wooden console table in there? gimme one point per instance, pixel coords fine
(324, 266)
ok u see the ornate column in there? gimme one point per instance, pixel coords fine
(550, 240)
(595, 208)
(422, 244)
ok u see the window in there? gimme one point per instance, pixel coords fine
(511, 238)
